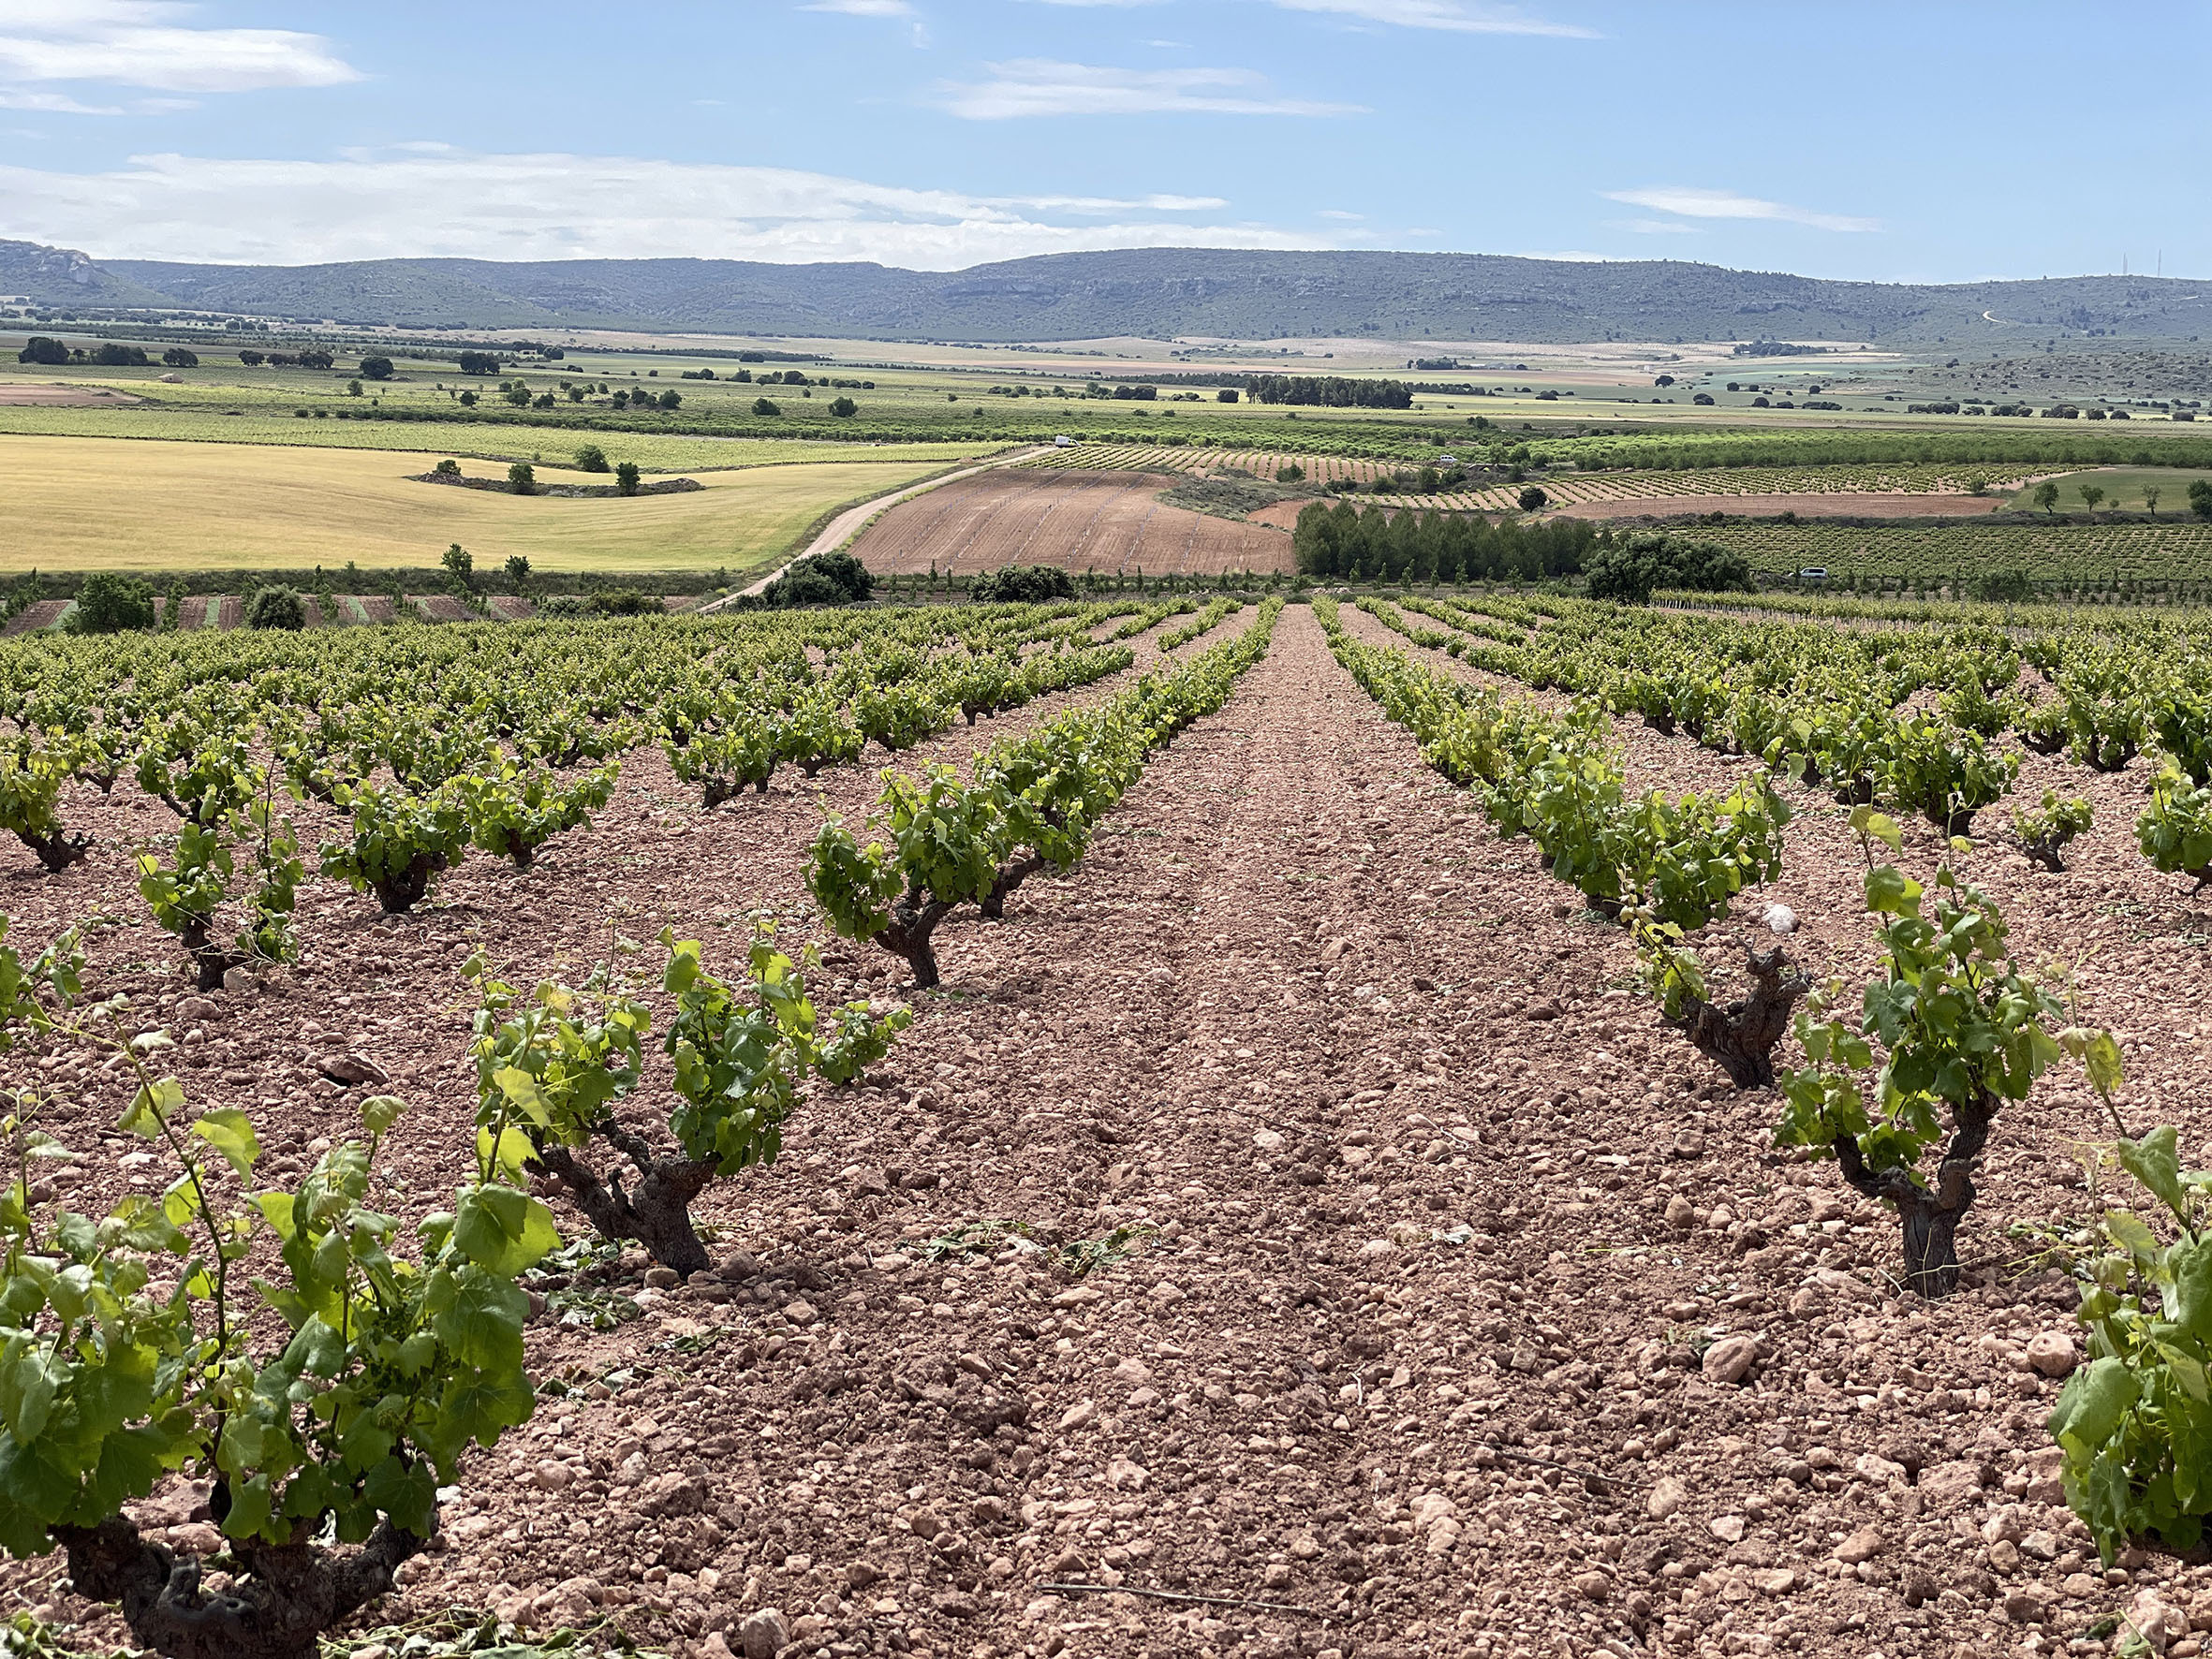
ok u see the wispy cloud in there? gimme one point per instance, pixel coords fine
(427, 199)
(1457, 16)
(1464, 17)
(1570, 256)
(1726, 204)
(149, 44)
(1043, 86)
(1338, 214)
(861, 7)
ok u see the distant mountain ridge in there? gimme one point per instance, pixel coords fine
(1157, 293)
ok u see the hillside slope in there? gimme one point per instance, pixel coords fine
(1154, 292)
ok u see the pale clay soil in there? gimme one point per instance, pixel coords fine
(1409, 1364)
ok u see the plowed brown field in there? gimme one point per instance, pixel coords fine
(1080, 521)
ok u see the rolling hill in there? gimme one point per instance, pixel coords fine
(1153, 292)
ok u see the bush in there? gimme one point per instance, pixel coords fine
(1625, 576)
(804, 585)
(842, 407)
(275, 606)
(522, 477)
(375, 368)
(109, 603)
(847, 572)
(591, 458)
(564, 605)
(625, 602)
(1534, 500)
(762, 406)
(447, 469)
(1021, 585)
(518, 569)
(1288, 475)
(626, 479)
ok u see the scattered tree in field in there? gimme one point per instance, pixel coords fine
(591, 458)
(842, 407)
(517, 568)
(177, 357)
(479, 363)
(375, 368)
(2150, 500)
(460, 563)
(113, 354)
(2046, 496)
(275, 606)
(762, 406)
(626, 479)
(2200, 498)
(2091, 494)
(353, 388)
(110, 604)
(671, 400)
(448, 468)
(1533, 499)
(522, 477)
(1228, 394)
(468, 400)
(41, 348)
(250, 358)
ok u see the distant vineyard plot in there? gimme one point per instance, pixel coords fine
(1658, 493)
(1105, 522)
(2178, 552)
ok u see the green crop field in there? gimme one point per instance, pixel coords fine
(2126, 489)
(82, 504)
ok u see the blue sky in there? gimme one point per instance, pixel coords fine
(1926, 142)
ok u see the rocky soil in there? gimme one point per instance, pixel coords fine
(1286, 1235)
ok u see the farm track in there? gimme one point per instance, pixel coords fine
(1294, 948)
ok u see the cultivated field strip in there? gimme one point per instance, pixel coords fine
(1112, 524)
(1563, 488)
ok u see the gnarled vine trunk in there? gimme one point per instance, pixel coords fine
(1012, 875)
(1929, 1214)
(913, 919)
(290, 1594)
(402, 893)
(657, 1212)
(57, 851)
(1741, 1038)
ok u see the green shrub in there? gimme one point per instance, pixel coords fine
(275, 606)
(2004, 587)
(624, 602)
(110, 604)
(1021, 585)
(591, 458)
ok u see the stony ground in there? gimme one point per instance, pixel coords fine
(1286, 1235)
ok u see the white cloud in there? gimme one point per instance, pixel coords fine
(1727, 204)
(1572, 257)
(1458, 16)
(1043, 86)
(148, 44)
(863, 7)
(1338, 214)
(427, 200)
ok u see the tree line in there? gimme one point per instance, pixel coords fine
(1378, 544)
